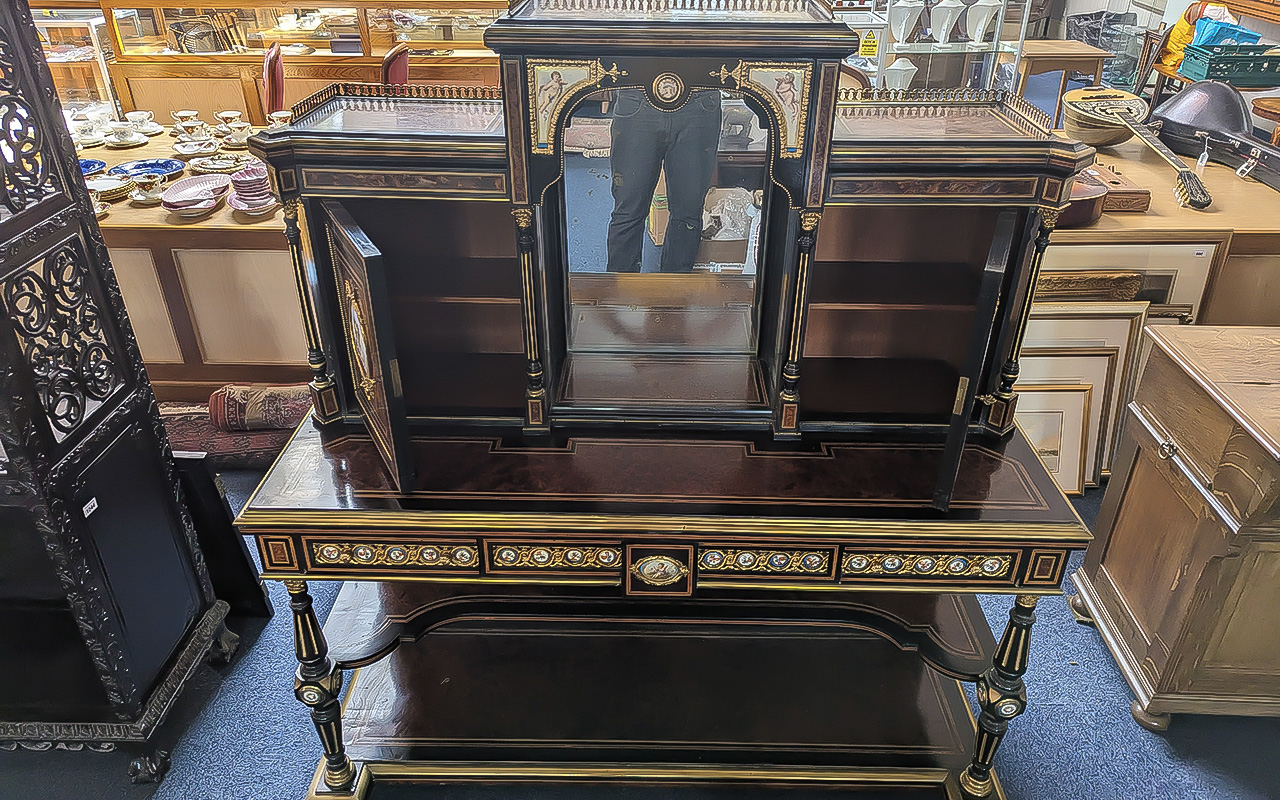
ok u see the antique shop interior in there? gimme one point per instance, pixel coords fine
(640, 398)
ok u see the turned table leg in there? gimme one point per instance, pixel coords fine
(318, 684)
(1001, 694)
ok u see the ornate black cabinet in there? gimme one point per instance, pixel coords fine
(667, 339)
(105, 603)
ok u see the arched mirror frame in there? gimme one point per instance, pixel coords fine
(796, 165)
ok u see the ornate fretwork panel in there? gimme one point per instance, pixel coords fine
(26, 167)
(59, 326)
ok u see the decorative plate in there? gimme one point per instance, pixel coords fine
(195, 148)
(194, 210)
(223, 163)
(154, 129)
(235, 202)
(91, 166)
(167, 167)
(124, 144)
(139, 199)
(196, 187)
(110, 187)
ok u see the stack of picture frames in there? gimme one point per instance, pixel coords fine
(1079, 366)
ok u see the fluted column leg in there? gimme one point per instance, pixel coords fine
(318, 684)
(1002, 695)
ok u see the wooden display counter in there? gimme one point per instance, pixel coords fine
(212, 300)
(1100, 284)
(1223, 261)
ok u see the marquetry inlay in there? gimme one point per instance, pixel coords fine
(545, 556)
(909, 565)
(394, 555)
(796, 562)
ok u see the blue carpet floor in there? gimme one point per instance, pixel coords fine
(238, 733)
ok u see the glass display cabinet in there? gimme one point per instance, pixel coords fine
(666, 360)
(208, 56)
(176, 29)
(953, 43)
(73, 41)
(445, 29)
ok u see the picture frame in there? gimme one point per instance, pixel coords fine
(1088, 327)
(1055, 420)
(1095, 366)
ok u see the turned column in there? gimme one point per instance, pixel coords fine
(535, 420)
(318, 684)
(1003, 401)
(786, 418)
(324, 394)
(1002, 695)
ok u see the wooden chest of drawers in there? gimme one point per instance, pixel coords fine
(1183, 577)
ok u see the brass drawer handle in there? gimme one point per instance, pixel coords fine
(1168, 449)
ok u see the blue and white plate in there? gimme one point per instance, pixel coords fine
(167, 167)
(91, 166)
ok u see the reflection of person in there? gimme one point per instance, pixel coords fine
(644, 140)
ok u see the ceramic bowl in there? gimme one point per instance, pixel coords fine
(197, 188)
(91, 166)
(168, 167)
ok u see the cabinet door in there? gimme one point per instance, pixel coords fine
(366, 314)
(1158, 548)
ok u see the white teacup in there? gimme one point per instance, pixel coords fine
(150, 185)
(124, 131)
(287, 22)
(186, 115)
(239, 132)
(140, 119)
(279, 119)
(194, 130)
(228, 117)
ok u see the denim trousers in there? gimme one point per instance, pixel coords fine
(644, 139)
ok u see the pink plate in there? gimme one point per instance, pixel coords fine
(196, 187)
(235, 202)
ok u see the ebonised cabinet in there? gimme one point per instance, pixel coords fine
(672, 350)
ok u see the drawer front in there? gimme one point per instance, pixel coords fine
(1187, 419)
(1174, 273)
(665, 567)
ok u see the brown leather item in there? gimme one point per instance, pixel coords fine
(1088, 196)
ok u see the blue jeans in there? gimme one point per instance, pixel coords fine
(643, 139)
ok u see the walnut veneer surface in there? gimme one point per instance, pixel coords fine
(1182, 577)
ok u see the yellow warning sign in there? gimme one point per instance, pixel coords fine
(869, 45)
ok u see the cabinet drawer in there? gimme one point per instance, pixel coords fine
(1193, 425)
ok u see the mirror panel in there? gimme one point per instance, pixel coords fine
(662, 216)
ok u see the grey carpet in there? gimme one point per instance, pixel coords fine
(238, 733)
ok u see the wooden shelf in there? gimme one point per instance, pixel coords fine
(1258, 9)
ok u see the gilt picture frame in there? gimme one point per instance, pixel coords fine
(1055, 419)
(1087, 326)
(1098, 367)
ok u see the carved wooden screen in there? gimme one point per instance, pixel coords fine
(375, 371)
(101, 556)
